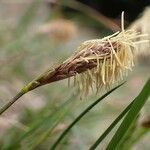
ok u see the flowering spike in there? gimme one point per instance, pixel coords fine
(98, 62)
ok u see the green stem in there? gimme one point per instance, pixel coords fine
(81, 115)
(32, 85)
(13, 100)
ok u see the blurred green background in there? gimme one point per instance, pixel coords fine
(37, 35)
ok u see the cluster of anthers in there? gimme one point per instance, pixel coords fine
(99, 63)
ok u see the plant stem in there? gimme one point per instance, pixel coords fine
(13, 100)
(32, 85)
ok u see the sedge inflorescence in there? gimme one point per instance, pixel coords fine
(98, 63)
(102, 62)
(107, 59)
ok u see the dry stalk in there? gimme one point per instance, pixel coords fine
(99, 62)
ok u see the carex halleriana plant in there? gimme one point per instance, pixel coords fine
(96, 63)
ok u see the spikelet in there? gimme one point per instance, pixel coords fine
(108, 60)
(98, 63)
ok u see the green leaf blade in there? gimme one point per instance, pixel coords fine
(82, 114)
(133, 112)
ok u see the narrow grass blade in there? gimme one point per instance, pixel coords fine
(108, 130)
(82, 115)
(139, 101)
(129, 135)
(135, 138)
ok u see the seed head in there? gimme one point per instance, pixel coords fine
(98, 63)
